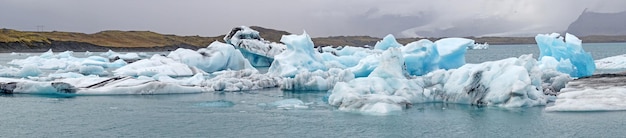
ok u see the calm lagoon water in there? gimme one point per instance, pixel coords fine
(248, 114)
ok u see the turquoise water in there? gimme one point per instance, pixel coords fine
(248, 114)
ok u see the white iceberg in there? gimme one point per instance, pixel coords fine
(130, 57)
(216, 57)
(317, 80)
(23, 72)
(513, 82)
(65, 62)
(385, 91)
(478, 46)
(157, 64)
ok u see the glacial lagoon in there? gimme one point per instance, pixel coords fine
(275, 113)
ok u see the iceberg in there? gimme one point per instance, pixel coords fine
(512, 82)
(388, 41)
(258, 51)
(385, 91)
(93, 70)
(452, 51)
(157, 64)
(421, 57)
(65, 62)
(216, 57)
(25, 71)
(567, 51)
(299, 56)
(383, 80)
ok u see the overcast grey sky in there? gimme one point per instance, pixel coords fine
(404, 18)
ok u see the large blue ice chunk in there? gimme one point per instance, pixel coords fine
(553, 45)
(452, 51)
(299, 56)
(388, 42)
(420, 57)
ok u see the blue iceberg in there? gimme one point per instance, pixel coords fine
(568, 51)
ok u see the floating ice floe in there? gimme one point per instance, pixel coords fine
(603, 92)
(216, 104)
(128, 57)
(612, 64)
(93, 86)
(25, 71)
(478, 46)
(157, 64)
(65, 62)
(289, 104)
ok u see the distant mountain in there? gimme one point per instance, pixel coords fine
(271, 35)
(28, 41)
(592, 23)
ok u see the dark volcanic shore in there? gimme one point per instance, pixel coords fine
(81, 47)
(134, 41)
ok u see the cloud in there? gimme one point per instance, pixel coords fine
(319, 18)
